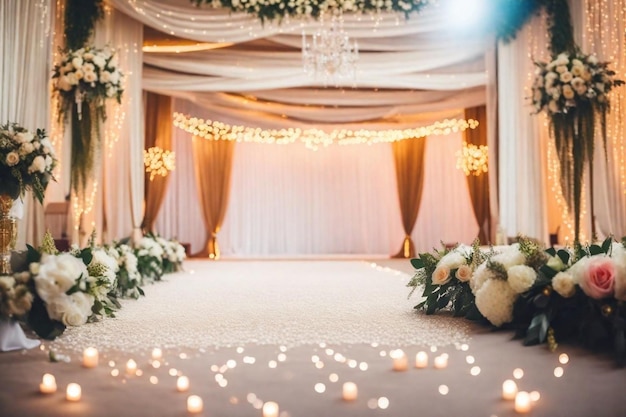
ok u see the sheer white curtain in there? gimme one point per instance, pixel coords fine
(523, 137)
(24, 76)
(445, 213)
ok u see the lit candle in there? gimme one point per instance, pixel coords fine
(182, 384)
(421, 360)
(270, 409)
(90, 357)
(73, 392)
(522, 402)
(509, 389)
(400, 361)
(194, 404)
(131, 367)
(157, 354)
(48, 384)
(350, 391)
(441, 362)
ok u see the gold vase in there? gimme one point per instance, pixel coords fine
(8, 234)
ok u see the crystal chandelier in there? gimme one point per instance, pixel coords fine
(329, 54)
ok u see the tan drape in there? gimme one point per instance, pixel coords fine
(213, 160)
(158, 131)
(409, 160)
(479, 185)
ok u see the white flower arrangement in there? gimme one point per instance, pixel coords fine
(15, 297)
(26, 161)
(102, 271)
(277, 10)
(570, 79)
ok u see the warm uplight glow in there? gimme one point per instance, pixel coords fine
(314, 138)
(159, 161)
(472, 159)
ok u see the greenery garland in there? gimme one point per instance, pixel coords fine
(80, 19)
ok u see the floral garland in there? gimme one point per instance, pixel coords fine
(26, 161)
(544, 295)
(53, 290)
(276, 10)
(87, 76)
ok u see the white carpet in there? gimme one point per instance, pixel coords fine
(231, 303)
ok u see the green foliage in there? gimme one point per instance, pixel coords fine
(80, 19)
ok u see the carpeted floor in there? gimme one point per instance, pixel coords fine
(245, 332)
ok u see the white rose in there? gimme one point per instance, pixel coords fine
(79, 74)
(495, 301)
(563, 284)
(114, 77)
(555, 263)
(521, 278)
(452, 260)
(83, 302)
(77, 62)
(34, 268)
(88, 56)
(577, 71)
(566, 77)
(90, 77)
(12, 159)
(480, 276)
(592, 60)
(105, 77)
(72, 79)
(561, 69)
(38, 165)
(99, 61)
(441, 275)
(24, 137)
(568, 92)
(7, 282)
(88, 67)
(26, 148)
(577, 62)
(63, 270)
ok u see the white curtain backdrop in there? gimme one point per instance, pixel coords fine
(25, 28)
(290, 201)
(523, 136)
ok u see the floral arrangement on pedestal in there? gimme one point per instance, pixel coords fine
(545, 295)
(84, 80)
(572, 90)
(54, 290)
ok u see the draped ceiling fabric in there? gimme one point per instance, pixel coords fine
(408, 156)
(410, 72)
(158, 130)
(479, 185)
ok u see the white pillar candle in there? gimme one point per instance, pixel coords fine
(157, 354)
(400, 361)
(73, 392)
(441, 361)
(90, 357)
(131, 367)
(194, 404)
(522, 402)
(182, 384)
(421, 360)
(509, 389)
(48, 384)
(350, 391)
(270, 409)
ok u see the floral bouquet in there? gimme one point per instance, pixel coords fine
(570, 79)
(26, 161)
(128, 277)
(88, 75)
(149, 258)
(445, 276)
(173, 254)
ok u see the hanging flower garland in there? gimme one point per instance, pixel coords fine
(84, 80)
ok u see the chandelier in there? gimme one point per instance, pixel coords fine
(329, 54)
(472, 159)
(159, 161)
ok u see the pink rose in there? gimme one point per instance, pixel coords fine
(598, 281)
(464, 273)
(441, 275)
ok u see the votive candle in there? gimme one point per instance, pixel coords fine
(48, 384)
(182, 384)
(73, 392)
(131, 367)
(509, 389)
(194, 404)
(90, 357)
(157, 354)
(350, 391)
(522, 402)
(270, 409)
(441, 362)
(421, 360)
(400, 361)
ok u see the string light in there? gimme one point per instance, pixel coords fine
(314, 138)
(159, 161)
(472, 159)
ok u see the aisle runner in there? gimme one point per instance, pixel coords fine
(270, 302)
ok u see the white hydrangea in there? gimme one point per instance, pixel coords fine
(510, 256)
(452, 260)
(480, 276)
(495, 300)
(149, 247)
(101, 257)
(521, 278)
(57, 274)
(563, 284)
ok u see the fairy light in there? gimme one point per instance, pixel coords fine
(472, 159)
(314, 138)
(159, 161)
